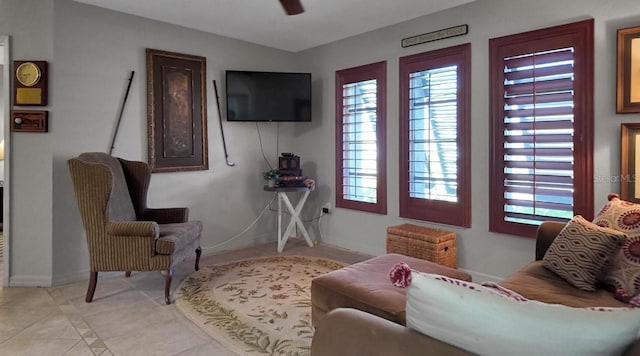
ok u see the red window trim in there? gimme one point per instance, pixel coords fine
(376, 71)
(581, 34)
(459, 213)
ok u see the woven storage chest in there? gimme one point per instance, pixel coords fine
(430, 244)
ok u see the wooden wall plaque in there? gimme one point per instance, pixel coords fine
(30, 83)
(29, 121)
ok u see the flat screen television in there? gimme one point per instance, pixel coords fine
(268, 96)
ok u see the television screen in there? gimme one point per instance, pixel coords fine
(268, 96)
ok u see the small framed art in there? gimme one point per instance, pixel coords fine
(628, 71)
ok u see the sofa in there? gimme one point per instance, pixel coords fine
(346, 331)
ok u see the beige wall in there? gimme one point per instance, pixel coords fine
(91, 51)
(486, 255)
(95, 50)
(3, 81)
(29, 23)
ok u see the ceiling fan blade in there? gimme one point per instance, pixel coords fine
(292, 7)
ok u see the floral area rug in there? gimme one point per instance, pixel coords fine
(258, 306)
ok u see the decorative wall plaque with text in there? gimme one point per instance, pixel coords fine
(30, 83)
(29, 121)
(436, 35)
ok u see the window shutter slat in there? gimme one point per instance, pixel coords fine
(533, 219)
(538, 112)
(542, 58)
(533, 179)
(539, 204)
(538, 88)
(530, 99)
(541, 191)
(538, 73)
(561, 166)
(539, 152)
(542, 138)
(557, 125)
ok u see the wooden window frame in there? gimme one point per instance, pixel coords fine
(579, 35)
(376, 71)
(450, 213)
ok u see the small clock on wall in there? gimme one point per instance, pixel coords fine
(30, 83)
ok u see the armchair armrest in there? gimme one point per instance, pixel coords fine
(133, 228)
(166, 215)
(345, 331)
(547, 232)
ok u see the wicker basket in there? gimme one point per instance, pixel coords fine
(430, 244)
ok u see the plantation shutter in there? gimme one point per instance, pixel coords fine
(359, 145)
(433, 134)
(539, 136)
(433, 131)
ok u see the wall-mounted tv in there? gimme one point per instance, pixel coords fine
(268, 96)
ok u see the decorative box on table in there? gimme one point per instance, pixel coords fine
(290, 171)
(430, 244)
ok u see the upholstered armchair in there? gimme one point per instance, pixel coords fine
(122, 233)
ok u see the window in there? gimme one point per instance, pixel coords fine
(435, 136)
(361, 182)
(541, 112)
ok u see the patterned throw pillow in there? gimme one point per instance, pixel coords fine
(623, 270)
(580, 252)
(620, 215)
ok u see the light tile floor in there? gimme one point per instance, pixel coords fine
(127, 316)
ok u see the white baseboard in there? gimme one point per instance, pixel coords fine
(30, 281)
(45, 281)
(71, 278)
(228, 245)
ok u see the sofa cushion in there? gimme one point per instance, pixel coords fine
(535, 282)
(623, 270)
(580, 251)
(365, 286)
(483, 321)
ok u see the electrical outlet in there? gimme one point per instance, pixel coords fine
(326, 208)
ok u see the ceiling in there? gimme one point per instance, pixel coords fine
(264, 21)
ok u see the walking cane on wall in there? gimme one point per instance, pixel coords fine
(224, 143)
(124, 102)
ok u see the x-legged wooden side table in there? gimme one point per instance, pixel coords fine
(283, 197)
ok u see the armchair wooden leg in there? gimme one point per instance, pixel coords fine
(93, 280)
(168, 274)
(198, 253)
(127, 274)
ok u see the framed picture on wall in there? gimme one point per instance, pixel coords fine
(176, 111)
(628, 71)
(630, 162)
